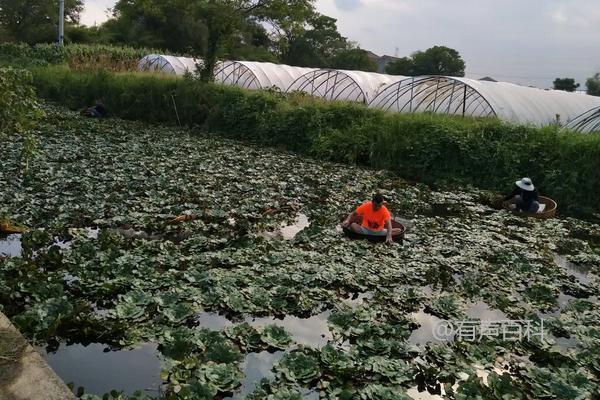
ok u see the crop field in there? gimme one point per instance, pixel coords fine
(257, 294)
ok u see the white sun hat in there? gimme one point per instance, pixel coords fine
(525, 184)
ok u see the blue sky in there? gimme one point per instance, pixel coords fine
(523, 41)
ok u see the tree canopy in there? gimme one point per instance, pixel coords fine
(437, 60)
(34, 21)
(284, 31)
(593, 85)
(566, 84)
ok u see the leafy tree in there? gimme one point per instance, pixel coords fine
(438, 60)
(34, 21)
(401, 66)
(354, 59)
(209, 28)
(593, 85)
(315, 46)
(167, 24)
(225, 18)
(566, 84)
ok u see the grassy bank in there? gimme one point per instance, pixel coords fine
(431, 148)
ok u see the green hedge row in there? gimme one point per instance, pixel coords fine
(430, 148)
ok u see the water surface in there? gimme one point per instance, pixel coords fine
(100, 371)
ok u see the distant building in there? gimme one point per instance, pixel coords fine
(382, 61)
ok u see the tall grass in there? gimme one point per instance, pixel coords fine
(486, 153)
(77, 56)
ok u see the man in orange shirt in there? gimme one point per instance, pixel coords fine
(376, 219)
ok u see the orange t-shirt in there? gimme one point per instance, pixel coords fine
(374, 220)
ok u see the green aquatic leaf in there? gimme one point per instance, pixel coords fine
(130, 311)
(299, 367)
(375, 391)
(181, 342)
(220, 377)
(275, 336)
(336, 360)
(248, 338)
(395, 371)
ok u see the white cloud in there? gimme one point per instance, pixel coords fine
(529, 42)
(348, 5)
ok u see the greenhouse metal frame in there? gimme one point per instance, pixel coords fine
(258, 75)
(169, 64)
(587, 122)
(436, 94)
(331, 84)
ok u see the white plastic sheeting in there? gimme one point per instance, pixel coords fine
(258, 75)
(168, 64)
(462, 96)
(333, 84)
(436, 94)
(587, 122)
(524, 104)
(449, 95)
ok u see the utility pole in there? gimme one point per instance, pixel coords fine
(61, 22)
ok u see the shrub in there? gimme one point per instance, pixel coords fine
(18, 106)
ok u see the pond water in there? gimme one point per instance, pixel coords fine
(312, 331)
(414, 393)
(580, 272)
(288, 232)
(427, 331)
(357, 299)
(10, 245)
(212, 321)
(432, 328)
(257, 366)
(482, 311)
(100, 371)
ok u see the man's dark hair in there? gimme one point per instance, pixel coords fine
(378, 198)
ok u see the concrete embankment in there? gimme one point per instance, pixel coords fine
(24, 375)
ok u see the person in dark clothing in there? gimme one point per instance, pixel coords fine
(525, 196)
(96, 111)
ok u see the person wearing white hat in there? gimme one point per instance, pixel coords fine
(525, 196)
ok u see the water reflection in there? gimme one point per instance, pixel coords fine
(414, 393)
(257, 366)
(312, 331)
(288, 232)
(580, 272)
(357, 299)
(426, 332)
(100, 372)
(212, 321)
(482, 311)
(10, 245)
